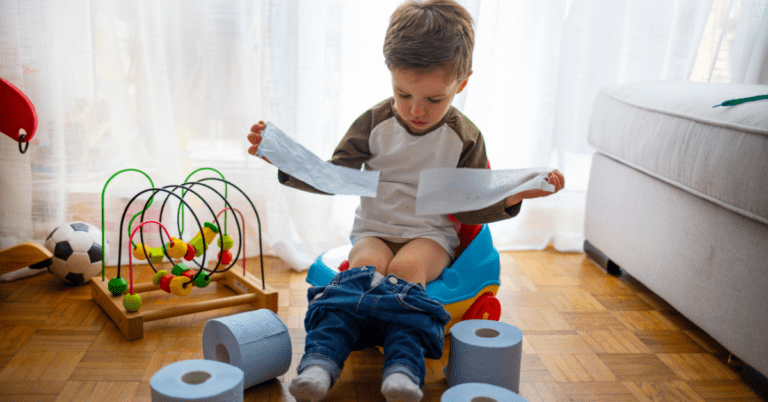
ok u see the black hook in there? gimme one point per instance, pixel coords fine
(21, 139)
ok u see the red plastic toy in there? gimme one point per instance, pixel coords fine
(19, 120)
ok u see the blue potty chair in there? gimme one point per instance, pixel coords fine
(467, 288)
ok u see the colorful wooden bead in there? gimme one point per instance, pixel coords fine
(177, 248)
(211, 226)
(158, 276)
(208, 234)
(199, 245)
(189, 274)
(132, 302)
(165, 282)
(178, 288)
(203, 280)
(117, 285)
(226, 257)
(190, 253)
(156, 255)
(139, 252)
(225, 242)
(179, 268)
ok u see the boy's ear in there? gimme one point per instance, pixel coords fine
(464, 83)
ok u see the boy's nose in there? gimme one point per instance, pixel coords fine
(417, 109)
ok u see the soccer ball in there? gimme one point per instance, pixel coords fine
(77, 252)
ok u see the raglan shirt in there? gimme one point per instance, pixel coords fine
(380, 141)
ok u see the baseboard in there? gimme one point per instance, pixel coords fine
(601, 259)
(756, 381)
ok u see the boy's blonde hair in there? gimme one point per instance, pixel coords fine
(429, 35)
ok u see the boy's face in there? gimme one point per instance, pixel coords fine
(422, 98)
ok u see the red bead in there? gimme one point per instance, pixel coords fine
(226, 258)
(190, 253)
(344, 266)
(188, 273)
(165, 282)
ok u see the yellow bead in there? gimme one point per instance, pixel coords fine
(209, 235)
(177, 287)
(138, 252)
(179, 249)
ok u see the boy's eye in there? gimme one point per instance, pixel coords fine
(404, 96)
(434, 100)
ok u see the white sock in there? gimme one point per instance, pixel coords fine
(311, 385)
(398, 387)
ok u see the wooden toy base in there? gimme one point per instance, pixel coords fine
(248, 289)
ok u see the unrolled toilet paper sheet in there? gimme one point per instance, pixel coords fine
(292, 158)
(441, 191)
(448, 190)
(197, 380)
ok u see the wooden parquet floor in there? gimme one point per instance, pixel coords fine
(588, 336)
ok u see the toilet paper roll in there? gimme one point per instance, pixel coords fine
(477, 392)
(485, 351)
(255, 341)
(197, 380)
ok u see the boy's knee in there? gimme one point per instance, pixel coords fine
(410, 270)
(370, 260)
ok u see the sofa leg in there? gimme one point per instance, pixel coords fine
(601, 259)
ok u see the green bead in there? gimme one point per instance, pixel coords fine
(211, 226)
(159, 275)
(179, 269)
(132, 302)
(203, 280)
(227, 242)
(198, 244)
(117, 285)
(156, 255)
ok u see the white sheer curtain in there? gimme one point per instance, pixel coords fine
(173, 86)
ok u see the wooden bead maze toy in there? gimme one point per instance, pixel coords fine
(121, 298)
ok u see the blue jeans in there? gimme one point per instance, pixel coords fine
(349, 314)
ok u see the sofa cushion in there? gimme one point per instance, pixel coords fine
(670, 130)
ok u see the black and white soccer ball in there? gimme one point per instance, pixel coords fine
(77, 252)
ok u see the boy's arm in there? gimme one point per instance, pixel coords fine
(510, 206)
(290, 181)
(494, 213)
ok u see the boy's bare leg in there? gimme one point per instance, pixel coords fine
(371, 251)
(419, 261)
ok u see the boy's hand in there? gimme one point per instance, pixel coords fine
(554, 178)
(254, 137)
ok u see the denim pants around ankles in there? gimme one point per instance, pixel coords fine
(349, 315)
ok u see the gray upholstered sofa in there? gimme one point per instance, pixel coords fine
(678, 198)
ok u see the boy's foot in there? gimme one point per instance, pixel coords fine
(311, 385)
(398, 387)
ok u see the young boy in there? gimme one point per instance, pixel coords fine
(381, 301)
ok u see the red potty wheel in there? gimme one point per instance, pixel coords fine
(486, 307)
